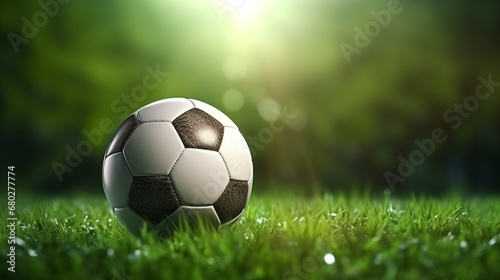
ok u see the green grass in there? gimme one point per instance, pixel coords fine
(277, 238)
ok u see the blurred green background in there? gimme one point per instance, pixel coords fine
(69, 65)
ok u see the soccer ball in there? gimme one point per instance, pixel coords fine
(177, 160)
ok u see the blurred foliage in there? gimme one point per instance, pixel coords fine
(354, 119)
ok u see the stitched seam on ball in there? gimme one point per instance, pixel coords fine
(225, 164)
(122, 146)
(194, 105)
(114, 153)
(171, 169)
(157, 121)
(124, 142)
(233, 127)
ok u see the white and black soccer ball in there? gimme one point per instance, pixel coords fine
(177, 159)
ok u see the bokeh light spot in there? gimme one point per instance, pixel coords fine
(329, 258)
(268, 109)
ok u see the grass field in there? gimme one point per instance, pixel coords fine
(328, 237)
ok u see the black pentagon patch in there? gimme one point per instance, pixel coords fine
(153, 197)
(232, 201)
(122, 134)
(199, 130)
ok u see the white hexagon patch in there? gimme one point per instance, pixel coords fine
(199, 177)
(153, 149)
